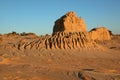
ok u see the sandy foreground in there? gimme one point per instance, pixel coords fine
(62, 64)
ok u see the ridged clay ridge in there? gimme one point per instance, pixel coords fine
(60, 40)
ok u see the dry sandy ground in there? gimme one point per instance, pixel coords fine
(75, 64)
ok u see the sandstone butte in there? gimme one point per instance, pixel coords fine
(70, 22)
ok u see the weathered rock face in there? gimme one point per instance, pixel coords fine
(101, 33)
(70, 23)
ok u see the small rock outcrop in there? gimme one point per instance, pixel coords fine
(100, 33)
(70, 22)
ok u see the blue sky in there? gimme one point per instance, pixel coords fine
(38, 16)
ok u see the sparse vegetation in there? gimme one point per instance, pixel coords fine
(94, 29)
(12, 33)
(110, 32)
(26, 34)
(1, 39)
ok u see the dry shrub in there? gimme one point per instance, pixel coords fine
(27, 34)
(1, 39)
(12, 33)
(110, 32)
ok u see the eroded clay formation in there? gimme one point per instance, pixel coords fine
(69, 32)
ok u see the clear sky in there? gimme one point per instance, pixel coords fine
(38, 16)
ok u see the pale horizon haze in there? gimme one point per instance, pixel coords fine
(38, 16)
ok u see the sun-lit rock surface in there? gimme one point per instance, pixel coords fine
(70, 22)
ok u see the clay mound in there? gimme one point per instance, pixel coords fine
(100, 33)
(70, 22)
